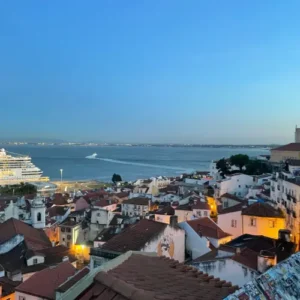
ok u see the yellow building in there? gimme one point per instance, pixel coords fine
(262, 219)
(283, 153)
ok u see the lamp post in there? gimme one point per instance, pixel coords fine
(61, 174)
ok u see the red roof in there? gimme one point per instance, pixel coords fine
(232, 197)
(201, 205)
(44, 283)
(137, 201)
(35, 239)
(208, 228)
(235, 208)
(260, 209)
(288, 147)
(142, 277)
(104, 202)
(135, 237)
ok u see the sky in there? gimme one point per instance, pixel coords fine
(157, 71)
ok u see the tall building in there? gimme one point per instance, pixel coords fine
(297, 135)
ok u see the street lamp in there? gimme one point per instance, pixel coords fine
(61, 173)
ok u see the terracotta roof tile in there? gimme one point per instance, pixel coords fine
(260, 209)
(288, 147)
(201, 205)
(235, 208)
(135, 236)
(247, 257)
(44, 283)
(137, 201)
(73, 280)
(35, 238)
(104, 202)
(57, 211)
(150, 278)
(165, 210)
(208, 228)
(233, 197)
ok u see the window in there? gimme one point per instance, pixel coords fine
(239, 186)
(271, 223)
(253, 222)
(69, 237)
(62, 229)
(22, 298)
(68, 229)
(225, 204)
(233, 223)
(63, 239)
(35, 261)
(39, 217)
(199, 213)
(205, 214)
(98, 214)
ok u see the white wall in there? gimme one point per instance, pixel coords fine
(187, 215)
(184, 215)
(18, 296)
(237, 185)
(228, 270)
(194, 244)
(40, 260)
(134, 210)
(174, 239)
(225, 223)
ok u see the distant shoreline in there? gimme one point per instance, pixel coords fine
(264, 147)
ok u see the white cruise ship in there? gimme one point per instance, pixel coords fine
(16, 168)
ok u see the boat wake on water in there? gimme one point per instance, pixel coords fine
(93, 156)
(115, 161)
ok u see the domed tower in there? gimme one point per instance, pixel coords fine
(38, 213)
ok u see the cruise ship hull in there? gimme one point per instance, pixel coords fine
(17, 169)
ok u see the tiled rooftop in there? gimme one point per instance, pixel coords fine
(135, 236)
(235, 208)
(260, 209)
(137, 201)
(288, 147)
(208, 228)
(44, 283)
(35, 238)
(142, 277)
(233, 197)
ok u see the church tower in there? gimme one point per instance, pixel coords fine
(297, 135)
(38, 213)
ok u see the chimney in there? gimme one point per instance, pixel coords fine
(265, 260)
(238, 250)
(173, 221)
(65, 258)
(53, 243)
(284, 235)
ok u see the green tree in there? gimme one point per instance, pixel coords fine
(223, 167)
(239, 160)
(116, 178)
(257, 167)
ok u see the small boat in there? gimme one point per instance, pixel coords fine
(93, 156)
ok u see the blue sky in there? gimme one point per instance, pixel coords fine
(150, 71)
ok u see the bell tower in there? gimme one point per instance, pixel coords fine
(297, 135)
(38, 213)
